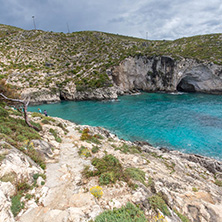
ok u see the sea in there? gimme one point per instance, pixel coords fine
(188, 122)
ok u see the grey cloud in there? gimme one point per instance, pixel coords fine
(162, 19)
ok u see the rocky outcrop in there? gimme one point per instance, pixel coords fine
(163, 73)
(39, 96)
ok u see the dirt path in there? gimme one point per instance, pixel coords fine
(60, 196)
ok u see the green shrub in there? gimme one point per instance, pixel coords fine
(83, 151)
(88, 137)
(194, 189)
(45, 121)
(95, 149)
(157, 202)
(128, 213)
(129, 149)
(35, 114)
(3, 112)
(181, 216)
(17, 205)
(218, 183)
(54, 133)
(5, 130)
(108, 169)
(136, 174)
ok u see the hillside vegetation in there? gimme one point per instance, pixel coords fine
(85, 58)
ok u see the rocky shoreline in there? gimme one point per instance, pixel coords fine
(187, 183)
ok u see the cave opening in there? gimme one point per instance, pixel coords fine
(186, 84)
(61, 97)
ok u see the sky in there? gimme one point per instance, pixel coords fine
(148, 19)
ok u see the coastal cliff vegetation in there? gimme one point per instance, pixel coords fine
(35, 58)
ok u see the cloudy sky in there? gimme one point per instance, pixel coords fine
(157, 19)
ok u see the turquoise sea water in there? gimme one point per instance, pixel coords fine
(187, 122)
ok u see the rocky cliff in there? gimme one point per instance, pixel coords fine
(151, 74)
(163, 73)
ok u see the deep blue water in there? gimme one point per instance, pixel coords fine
(187, 122)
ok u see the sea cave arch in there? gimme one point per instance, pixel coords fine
(187, 84)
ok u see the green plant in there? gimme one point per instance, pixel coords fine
(129, 149)
(181, 216)
(194, 189)
(17, 205)
(157, 202)
(28, 196)
(108, 169)
(88, 137)
(95, 149)
(54, 133)
(218, 182)
(83, 151)
(136, 174)
(96, 191)
(128, 213)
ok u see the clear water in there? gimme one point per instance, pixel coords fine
(187, 122)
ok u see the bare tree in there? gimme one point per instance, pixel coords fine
(25, 104)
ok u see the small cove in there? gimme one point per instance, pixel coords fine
(190, 123)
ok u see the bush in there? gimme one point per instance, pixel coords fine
(181, 216)
(83, 151)
(157, 202)
(218, 183)
(136, 174)
(54, 133)
(89, 138)
(109, 169)
(95, 149)
(3, 112)
(129, 149)
(17, 205)
(128, 213)
(96, 191)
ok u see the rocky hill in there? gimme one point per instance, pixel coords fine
(69, 172)
(51, 66)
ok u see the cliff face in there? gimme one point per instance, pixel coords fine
(163, 73)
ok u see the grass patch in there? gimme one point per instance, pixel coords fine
(194, 189)
(17, 205)
(181, 216)
(108, 169)
(10, 177)
(157, 202)
(86, 136)
(83, 151)
(136, 174)
(128, 213)
(54, 133)
(95, 149)
(34, 114)
(218, 182)
(129, 149)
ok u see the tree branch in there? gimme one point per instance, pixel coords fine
(25, 106)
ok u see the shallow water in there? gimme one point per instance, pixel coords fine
(187, 122)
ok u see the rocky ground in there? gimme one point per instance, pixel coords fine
(189, 185)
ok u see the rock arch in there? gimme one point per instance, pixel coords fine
(187, 84)
(199, 79)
